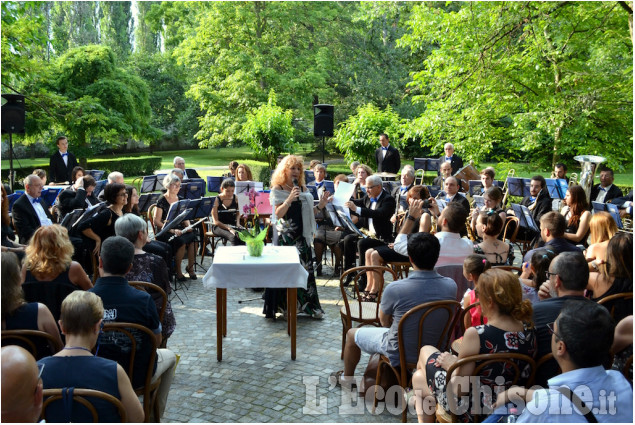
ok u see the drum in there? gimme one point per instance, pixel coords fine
(466, 174)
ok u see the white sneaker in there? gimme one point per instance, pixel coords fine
(319, 314)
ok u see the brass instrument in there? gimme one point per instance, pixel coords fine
(422, 173)
(396, 224)
(589, 165)
(510, 173)
(573, 179)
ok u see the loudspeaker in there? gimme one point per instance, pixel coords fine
(323, 120)
(12, 113)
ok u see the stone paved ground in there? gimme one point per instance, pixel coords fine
(257, 381)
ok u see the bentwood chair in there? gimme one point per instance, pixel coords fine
(85, 399)
(438, 315)
(156, 292)
(401, 268)
(39, 344)
(619, 305)
(356, 310)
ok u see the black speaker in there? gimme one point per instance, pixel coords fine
(323, 120)
(12, 113)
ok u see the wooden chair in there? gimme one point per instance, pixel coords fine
(616, 300)
(151, 288)
(455, 272)
(151, 211)
(31, 340)
(466, 313)
(523, 245)
(509, 232)
(209, 236)
(483, 360)
(356, 310)
(419, 313)
(401, 268)
(122, 332)
(80, 396)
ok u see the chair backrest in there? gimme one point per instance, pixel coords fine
(430, 315)
(151, 211)
(359, 272)
(134, 347)
(514, 364)
(619, 305)
(511, 230)
(466, 312)
(39, 344)
(50, 294)
(156, 292)
(91, 402)
(455, 272)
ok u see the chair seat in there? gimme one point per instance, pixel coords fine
(442, 416)
(368, 311)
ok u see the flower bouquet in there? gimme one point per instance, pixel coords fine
(253, 236)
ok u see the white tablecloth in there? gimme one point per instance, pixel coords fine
(278, 267)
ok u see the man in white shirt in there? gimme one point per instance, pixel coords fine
(30, 211)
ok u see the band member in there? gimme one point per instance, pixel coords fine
(445, 172)
(387, 156)
(188, 173)
(455, 161)
(605, 191)
(62, 162)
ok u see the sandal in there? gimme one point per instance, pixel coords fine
(181, 278)
(190, 271)
(335, 378)
(371, 297)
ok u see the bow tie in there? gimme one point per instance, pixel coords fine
(602, 188)
(64, 154)
(384, 148)
(373, 200)
(448, 158)
(404, 188)
(320, 184)
(448, 199)
(36, 200)
(532, 198)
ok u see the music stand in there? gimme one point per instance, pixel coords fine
(194, 188)
(434, 164)
(314, 192)
(420, 164)
(479, 202)
(97, 174)
(554, 189)
(176, 209)
(146, 200)
(348, 223)
(475, 186)
(246, 186)
(531, 224)
(99, 187)
(516, 186)
(598, 206)
(434, 190)
(615, 213)
(309, 176)
(50, 194)
(149, 184)
(169, 225)
(214, 183)
(564, 186)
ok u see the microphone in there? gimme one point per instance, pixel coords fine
(295, 184)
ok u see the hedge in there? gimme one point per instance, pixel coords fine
(137, 166)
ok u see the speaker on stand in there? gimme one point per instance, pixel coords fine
(323, 123)
(12, 122)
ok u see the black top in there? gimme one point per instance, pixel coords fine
(71, 199)
(58, 170)
(384, 209)
(614, 192)
(456, 163)
(103, 224)
(25, 219)
(25, 317)
(391, 163)
(622, 308)
(225, 216)
(165, 207)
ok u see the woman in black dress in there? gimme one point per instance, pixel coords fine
(293, 203)
(184, 239)
(102, 226)
(225, 213)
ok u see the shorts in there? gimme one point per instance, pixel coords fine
(370, 339)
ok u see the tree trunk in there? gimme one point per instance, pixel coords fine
(556, 144)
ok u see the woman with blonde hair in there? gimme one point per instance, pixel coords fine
(49, 258)
(602, 228)
(293, 206)
(243, 173)
(509, 329)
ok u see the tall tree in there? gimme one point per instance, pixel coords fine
(116, 25)
(547, 79)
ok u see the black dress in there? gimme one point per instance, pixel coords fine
(227, 215)
(308, 300)
(178, 241)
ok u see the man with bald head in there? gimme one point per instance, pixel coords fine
(21, 386)
(30, 211)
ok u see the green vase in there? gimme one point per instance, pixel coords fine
(254, 248)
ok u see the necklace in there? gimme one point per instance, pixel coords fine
(77, 348)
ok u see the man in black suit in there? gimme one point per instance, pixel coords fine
(538, 201)
(455, 161)
(62, 162)
(30, 211)
(407, 181)
(387, 156)
(188, 173)
(79, 196)
(605, 191)
(374, 211)
(452, 193)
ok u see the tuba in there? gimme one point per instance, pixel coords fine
(589, 165)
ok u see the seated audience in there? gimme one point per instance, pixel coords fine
(21, 386)
(8, 242)
(492, 202)
(606, 190)
(78, 196)
(183, 239)
(445, 171)
(422, 285)
(582, 372)
(76, 366)
(534, 273)
(602, 228)
(226, 213)
(147, 267)
(188, 173)
(49, 259)
(30, 211)
(552, 227)
(473, 267)
(508, 330)
(100, 227)
(123, 303)
(243, 173)
(577, 214)
(18, 314)
(616, 276)
(488, 226)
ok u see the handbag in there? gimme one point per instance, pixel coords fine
(388, 378)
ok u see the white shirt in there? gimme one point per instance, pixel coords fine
(64, 157)
(39, 210)
(454, 249)
(373, 206)
(602, 191)
(383, 151)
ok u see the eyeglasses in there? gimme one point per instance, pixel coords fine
(123, 194)
(552, 331)
(39, 375)
(548, 274)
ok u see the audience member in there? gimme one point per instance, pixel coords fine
(8, 237)
(76, 366)
(41, 174)
(101, 226)
(445, 171)
(422, 285)
(30, 211)
(534, 273)
(21, 386)
(147, 267)
(188, 173)
(552, 227)
(455, 161)
(17, 314)
(488, 226)
(452, 195)
(123, 303)
(49, 259)
(78, 196)
(387, 156)
(62, 162)
(243, 173)
(566, 279)
(606, 190)
(183, 240)
(577, 214)
(226, 213)
(473, 267)
(602, 228)
(508, 330)
(583, 377)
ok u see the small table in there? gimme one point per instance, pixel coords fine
(278, 267)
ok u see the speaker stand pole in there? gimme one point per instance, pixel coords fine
(323, 148)
(11, 176)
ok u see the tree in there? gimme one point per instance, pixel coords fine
(546, 79)
(358, 136)
(268, 131)
(115, 25)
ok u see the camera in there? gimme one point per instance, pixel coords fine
(426, 203)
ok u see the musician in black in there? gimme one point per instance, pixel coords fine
(329, 233)
(606, 190)
(445, 171)
(101, 226)
(226, 214)
(560, 171)
(188, 173)
(387, 156)
(62, 162)
(78, 196)
(374, 212)
(455, 161)
(451, 189)
(538, 202)
(400, 194)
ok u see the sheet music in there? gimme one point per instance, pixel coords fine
(529, 219)
(342, 195)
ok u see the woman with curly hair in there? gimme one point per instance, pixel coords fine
(293, 204)
(577, 214)
(509, 329)
(49, 259)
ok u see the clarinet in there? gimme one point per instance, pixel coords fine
(395, 225)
